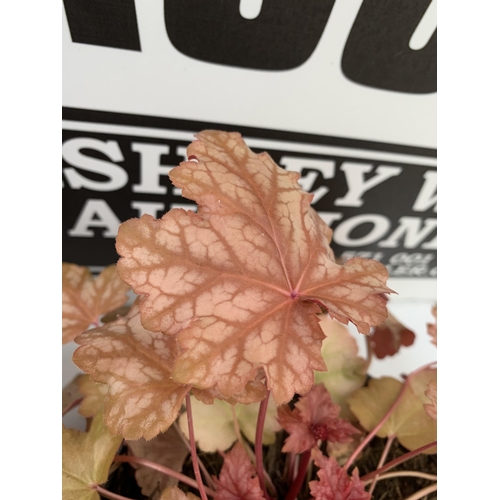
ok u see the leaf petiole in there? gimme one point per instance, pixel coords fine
(305, 458)
(108, 494)
(204, 471)
(404, 473)
(423, 492)
(387, 447)
(194, 455)
(397, 461)
(161, 468)
(259, 463)
(72, 405)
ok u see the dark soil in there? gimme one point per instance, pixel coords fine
(401, 487)
(122, 480)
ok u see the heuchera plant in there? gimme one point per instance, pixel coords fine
(241, 305)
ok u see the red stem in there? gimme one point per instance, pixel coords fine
(291, 465)
(388, 413)
(259, 462)
(72, 405)
(204, 471)
(109, 494)
(301, 474)
(369, 353)
(194, 455)
(397, 461)
(387, 447)
(161, 468)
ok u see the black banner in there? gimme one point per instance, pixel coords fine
(379, 199)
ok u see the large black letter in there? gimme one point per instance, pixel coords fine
(377, 52)
(108, 23)
(282, 36)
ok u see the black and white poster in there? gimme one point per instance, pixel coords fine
(342, 91)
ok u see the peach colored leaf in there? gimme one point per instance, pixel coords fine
(94, 396)
(84, 299)
(214, 426)
(409, 421)
(431, 393)
(174, 493)
(168, 449)
(346, 370)
(237, 479)
(242, 280)
(387, 338)
(334, 482)
(142, 400)
(86, 459)
(432, 327)
(314, 418)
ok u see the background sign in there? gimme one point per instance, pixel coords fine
(343, 91)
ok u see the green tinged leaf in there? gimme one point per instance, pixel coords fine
(408, 422)
(214, 424)
(86, 459)
(346, 370)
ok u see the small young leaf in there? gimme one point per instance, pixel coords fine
(346, 370)
(314, 418)
(409, 421)
(84, 299)
(242, 280)
(86, 458)
(387, 338)
(168, 449)
(334, 482)
(237, 480)
(142, 400)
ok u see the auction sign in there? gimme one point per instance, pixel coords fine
(342, 91)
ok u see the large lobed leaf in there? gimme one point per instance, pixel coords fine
(241, 281)
(84, 299)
